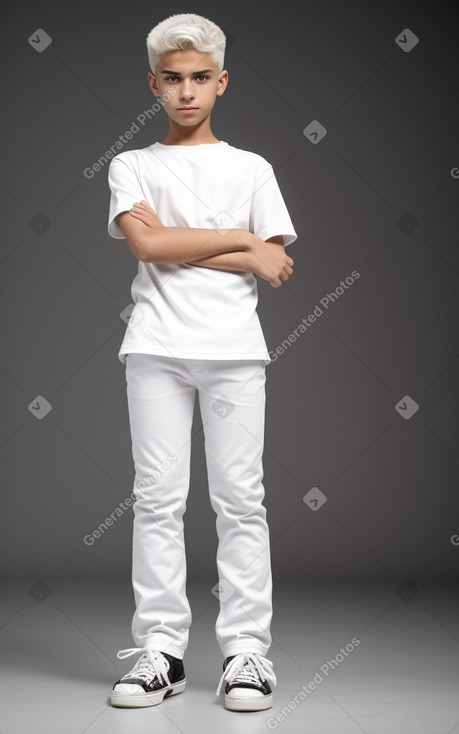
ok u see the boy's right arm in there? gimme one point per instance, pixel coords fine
(151, 241)
(163, 244)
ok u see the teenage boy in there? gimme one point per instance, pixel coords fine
(203, 218)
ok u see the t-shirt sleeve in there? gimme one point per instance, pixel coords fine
(125, 190)
(269, 215)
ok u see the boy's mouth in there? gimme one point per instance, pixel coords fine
(187, 109)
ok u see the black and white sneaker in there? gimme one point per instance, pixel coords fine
(154, 676)
(247, 687)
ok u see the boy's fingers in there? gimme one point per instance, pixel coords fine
(146, 205)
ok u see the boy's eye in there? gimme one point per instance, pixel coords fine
(199, 76)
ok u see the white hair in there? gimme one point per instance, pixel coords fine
(184, 31)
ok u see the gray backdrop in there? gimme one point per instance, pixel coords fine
(355, 104)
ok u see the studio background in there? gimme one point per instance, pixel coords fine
(361, 129)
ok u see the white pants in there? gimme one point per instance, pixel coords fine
(161, 392)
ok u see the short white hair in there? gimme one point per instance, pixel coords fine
(184, 31)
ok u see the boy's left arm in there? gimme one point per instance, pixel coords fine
(239, 260)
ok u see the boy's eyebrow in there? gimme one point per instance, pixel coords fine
(178, 73)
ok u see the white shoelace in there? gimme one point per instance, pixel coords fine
(248, 667)
(151, 661)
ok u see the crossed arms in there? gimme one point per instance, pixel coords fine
(234, 249)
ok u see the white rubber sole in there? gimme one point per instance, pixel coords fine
(245, 704)
(146, 699)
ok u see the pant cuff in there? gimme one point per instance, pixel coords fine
(163, 644)
(246, 647)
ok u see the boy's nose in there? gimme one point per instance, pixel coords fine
(186, 91)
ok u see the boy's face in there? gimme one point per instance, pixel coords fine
(187, 78)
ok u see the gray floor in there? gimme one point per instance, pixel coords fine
(58, 658)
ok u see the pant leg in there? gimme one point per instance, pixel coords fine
(232, 402)
(160, 402)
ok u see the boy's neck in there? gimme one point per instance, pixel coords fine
(180, 135)
(188, 144)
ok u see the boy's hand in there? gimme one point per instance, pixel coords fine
(143, 211)
(270, 261)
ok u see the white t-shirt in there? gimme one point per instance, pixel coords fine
(183, 310)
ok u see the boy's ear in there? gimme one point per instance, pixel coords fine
(153, 84)
(222, 82)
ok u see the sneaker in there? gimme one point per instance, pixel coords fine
(247, 687)
(154, 676)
